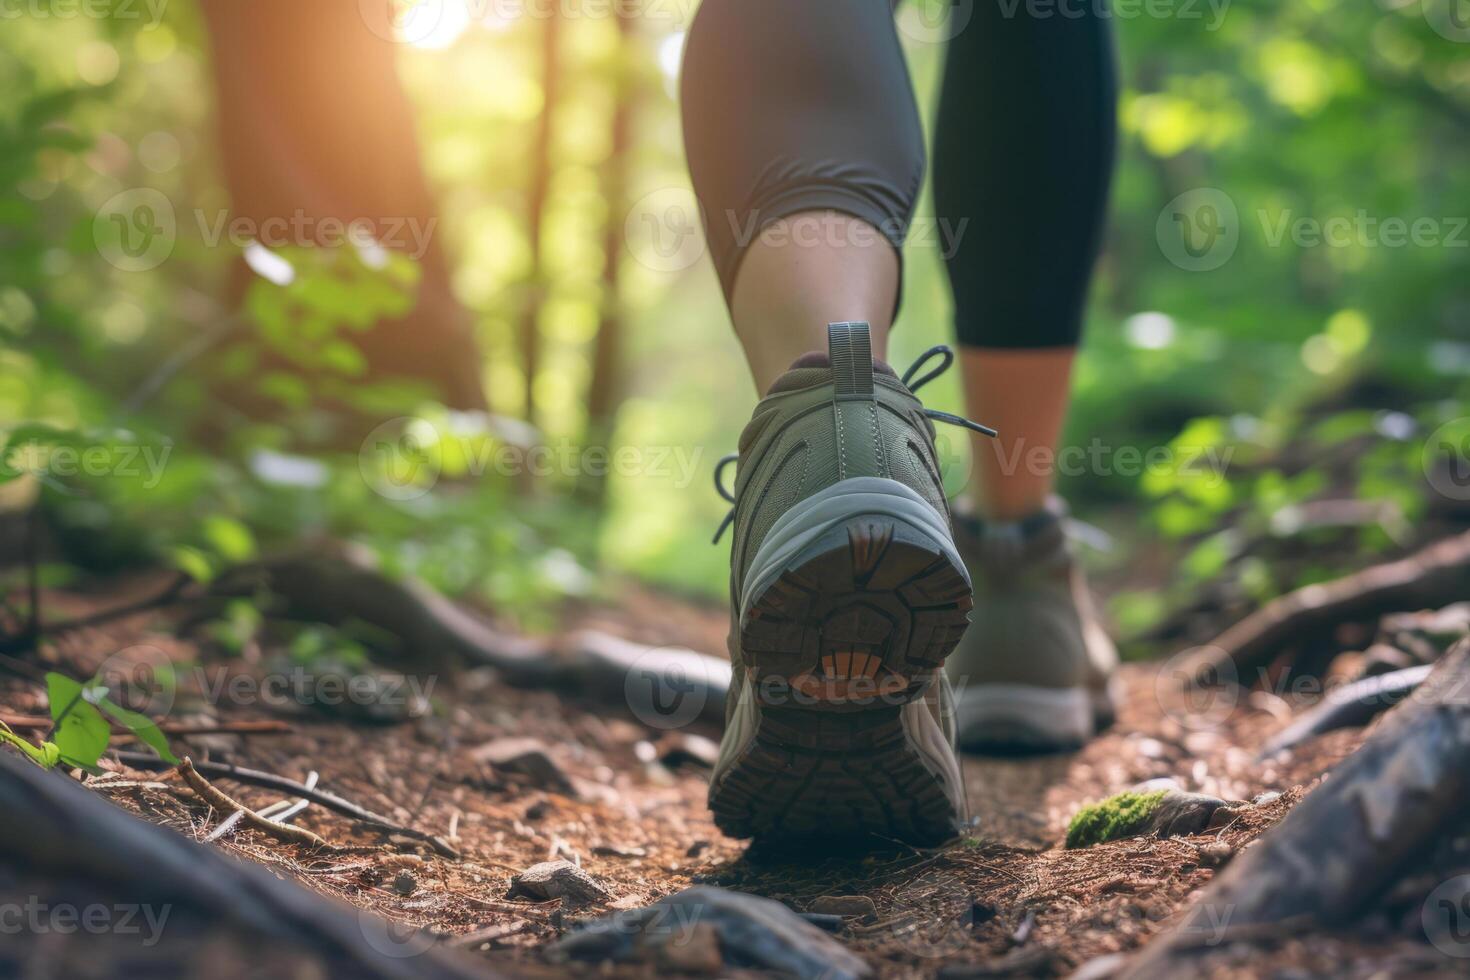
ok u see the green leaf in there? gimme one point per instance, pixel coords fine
(229, 538)
(82, 733)
(44, 755)
(143, 727)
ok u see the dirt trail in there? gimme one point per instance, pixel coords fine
(626, 802)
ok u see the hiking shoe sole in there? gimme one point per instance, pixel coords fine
(856, 596)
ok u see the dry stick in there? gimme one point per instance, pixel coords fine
(279, 811)
(40, 723)
(221, 802)
(267, 780)
(1433, 576)
(1340, 847)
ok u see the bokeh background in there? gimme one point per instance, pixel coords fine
(1286, 280)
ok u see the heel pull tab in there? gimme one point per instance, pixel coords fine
(851, 350)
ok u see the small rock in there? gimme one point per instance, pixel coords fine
(404, 883)
(1269, 796)
(1215, 853)
(527, 757)
(557, 879)
(609, 850)
(1163, 813)
(844, 905)
(760, 932)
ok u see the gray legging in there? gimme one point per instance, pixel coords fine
(806, 105)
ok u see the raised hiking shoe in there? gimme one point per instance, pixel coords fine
(1034, 671)
(847, 593)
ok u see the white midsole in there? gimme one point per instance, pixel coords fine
(816, 515)
(1062, 714)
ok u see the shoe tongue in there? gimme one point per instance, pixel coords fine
(813, 369)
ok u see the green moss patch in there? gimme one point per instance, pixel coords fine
(1116, 817)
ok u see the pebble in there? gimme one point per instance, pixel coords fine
(844, 905)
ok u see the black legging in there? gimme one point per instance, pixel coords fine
(806, 105)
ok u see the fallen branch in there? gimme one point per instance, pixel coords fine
(1338, 849)
(215, 798)
(1434, 576)
(266, 780)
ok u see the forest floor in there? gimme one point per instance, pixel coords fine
(626, 802)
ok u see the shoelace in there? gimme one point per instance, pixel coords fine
(943, 351)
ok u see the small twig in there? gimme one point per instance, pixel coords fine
(266, 780)
(280, 811)
(269, 727)
(221, 802)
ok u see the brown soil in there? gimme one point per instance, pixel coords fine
(1009, 898)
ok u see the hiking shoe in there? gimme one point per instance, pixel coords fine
(847, 593)
(1034, 671)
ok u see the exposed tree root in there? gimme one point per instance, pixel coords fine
(1344, 843)
(1434, 576)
